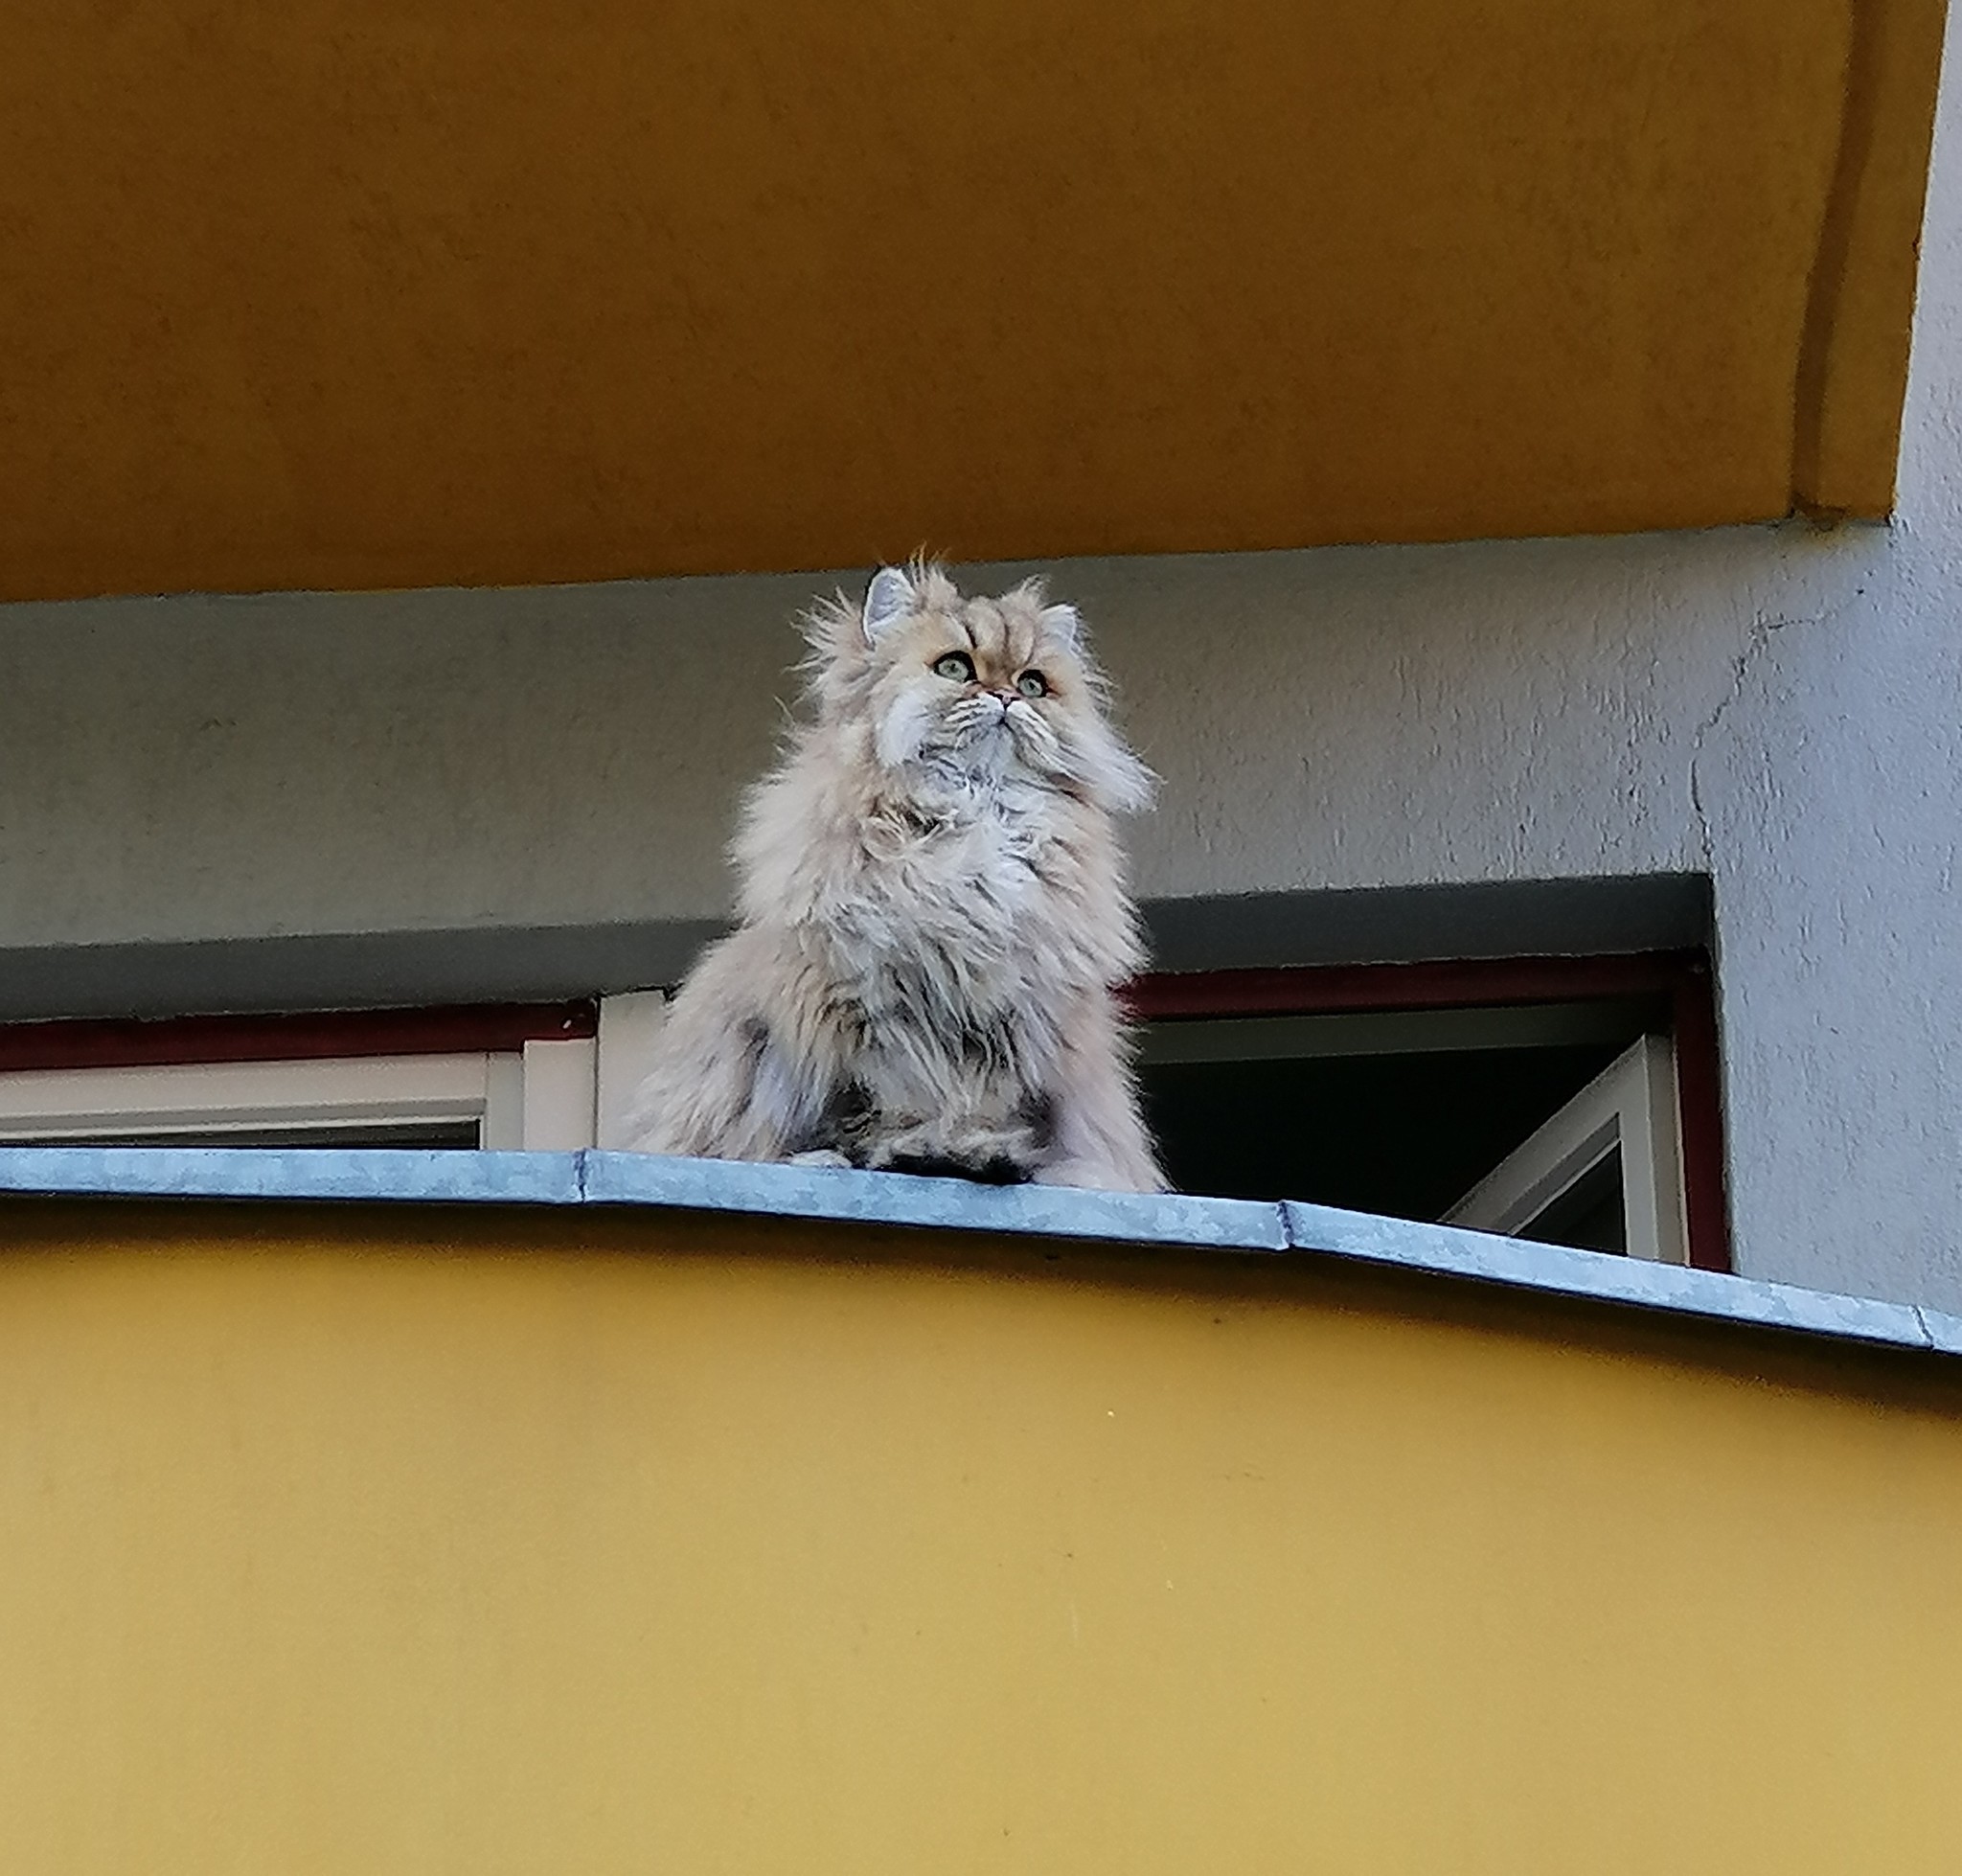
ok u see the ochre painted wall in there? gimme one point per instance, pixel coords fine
(343, 293)
(419, 1542)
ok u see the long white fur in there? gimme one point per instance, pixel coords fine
(934, 914)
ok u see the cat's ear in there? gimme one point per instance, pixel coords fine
(887, 600)
(1064, 625)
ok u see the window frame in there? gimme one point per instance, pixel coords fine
(535, 1076)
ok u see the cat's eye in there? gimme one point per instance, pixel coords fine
(1032, 683)
(955, 665)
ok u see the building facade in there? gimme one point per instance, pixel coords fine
(1741, 738)
(1511, 462)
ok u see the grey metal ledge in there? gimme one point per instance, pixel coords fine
(1669, 1288)
(1043, 1211)
(626, 1180)
(411, 1176)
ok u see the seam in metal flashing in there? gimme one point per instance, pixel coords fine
(1233, 1226)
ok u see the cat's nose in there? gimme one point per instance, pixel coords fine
(1005, 698)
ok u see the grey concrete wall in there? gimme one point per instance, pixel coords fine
(1779, 709)
(191, 768)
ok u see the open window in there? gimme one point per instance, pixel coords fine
(1568, 1100)
(1572, 1101)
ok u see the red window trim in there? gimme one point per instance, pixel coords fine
(1682, 977)
(1322, 988)
(168, 1042)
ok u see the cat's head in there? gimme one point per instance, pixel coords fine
(973, 689)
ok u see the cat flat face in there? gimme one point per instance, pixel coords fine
(982, 690)
(982, 686)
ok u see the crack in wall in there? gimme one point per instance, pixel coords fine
(1763, 630)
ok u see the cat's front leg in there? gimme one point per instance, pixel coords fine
(1099, 1139)
(727, 1081)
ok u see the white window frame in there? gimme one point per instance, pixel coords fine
(1630, 1107)
(550, 1095)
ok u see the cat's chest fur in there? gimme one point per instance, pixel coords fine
(956, 898)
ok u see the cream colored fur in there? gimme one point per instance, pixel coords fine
(933, 914)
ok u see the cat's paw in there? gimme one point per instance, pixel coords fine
(1098, 1176)
(826, 1156)
(992, 1169)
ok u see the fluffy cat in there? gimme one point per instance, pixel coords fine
(933, 913)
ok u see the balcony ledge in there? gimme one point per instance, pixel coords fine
(1224, 1225)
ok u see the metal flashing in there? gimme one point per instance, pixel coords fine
(1049, 1211)
(375, 1175)
(625, 1180)
(1444, 1250)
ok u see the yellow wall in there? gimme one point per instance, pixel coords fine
(353, 293)
(423, 1543)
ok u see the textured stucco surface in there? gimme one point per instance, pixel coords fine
(188, 767)
(1780, 707)
(342, 294)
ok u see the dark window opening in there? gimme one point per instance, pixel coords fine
(1407, 1136)
(1400, 1089)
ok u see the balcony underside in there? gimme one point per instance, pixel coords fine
(343, 295)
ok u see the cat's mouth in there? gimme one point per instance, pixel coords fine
(987, 738)
(984, 721)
